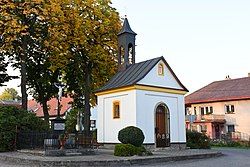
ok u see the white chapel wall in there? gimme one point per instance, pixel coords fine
(166, 80)
(145, 118)
(107, 126)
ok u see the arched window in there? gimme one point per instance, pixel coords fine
(160, 69)
(130, 53)
(122, 53)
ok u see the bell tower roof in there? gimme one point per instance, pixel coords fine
(126, 44)
(126, 28)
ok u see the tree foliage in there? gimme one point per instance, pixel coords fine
(4, 77)
(40, 81)
(11, 119)
(10, 94)
(24, 31)
(78, 37)
(84, 43)
(71, 120)
(19, 30)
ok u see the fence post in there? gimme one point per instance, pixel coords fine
(15, 141)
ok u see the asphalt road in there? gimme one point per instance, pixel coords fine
(232, 158)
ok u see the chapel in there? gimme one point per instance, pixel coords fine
(147, 95)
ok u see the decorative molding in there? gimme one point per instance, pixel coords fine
(144, 87)
(160, 89)
(127, 88)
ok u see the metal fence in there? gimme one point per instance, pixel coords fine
(50, 140)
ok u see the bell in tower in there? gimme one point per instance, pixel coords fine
(126, 42)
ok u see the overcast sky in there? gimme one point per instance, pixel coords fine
(202, 40)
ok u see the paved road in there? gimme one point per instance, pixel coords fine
(231, 158)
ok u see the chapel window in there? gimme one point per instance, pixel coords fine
(122, 53)
(116, 109)
(160, 69)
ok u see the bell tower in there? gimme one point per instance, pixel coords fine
(126, 43)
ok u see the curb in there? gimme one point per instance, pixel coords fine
(123, 162)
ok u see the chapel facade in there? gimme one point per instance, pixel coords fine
(147, 95)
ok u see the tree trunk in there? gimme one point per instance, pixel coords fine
(45, 112)
(23, 85)
(24, 74)
(87, 101)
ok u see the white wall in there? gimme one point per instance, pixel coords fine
(147, 102)
(107, 126)
(241, 115)
(167, 80)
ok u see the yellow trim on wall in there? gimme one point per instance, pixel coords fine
(143, 87)
(159, 89)
(115, 90)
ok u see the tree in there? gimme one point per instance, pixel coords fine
(40, 80)
(10, 94)
(71, 120)
(24, 31)
(84, 42)
(10, 119)
(18, 31)
(4, 77)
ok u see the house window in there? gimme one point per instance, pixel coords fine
(211, 110)
(203, 128)
(116, 109)
(195, 112)
(230, 128)
(160, 69)
(206, 110)
(202, 110)
(229, 109)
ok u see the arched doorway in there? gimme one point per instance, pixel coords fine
(162, 126)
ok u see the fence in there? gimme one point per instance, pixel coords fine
(239, 136)
(50, 140)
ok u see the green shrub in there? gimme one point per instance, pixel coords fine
(223, 143)
(143, 151)
(130, 150)
(125, 150)
(131, 135)
(197, 140)
(11, 119)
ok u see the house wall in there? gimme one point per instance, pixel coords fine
(166, 80)
(238, 118)
(146, 103)
(107, 126)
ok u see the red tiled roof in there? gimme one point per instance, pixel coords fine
(17, 104)
(225, 90)
(52, 105)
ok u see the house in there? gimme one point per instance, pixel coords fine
(147, 95)
(221, 107)
(37, 108)
(15, 103)
(65, 104)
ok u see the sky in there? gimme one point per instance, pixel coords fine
(202, 40)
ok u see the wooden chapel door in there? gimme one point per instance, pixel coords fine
(160, 129)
